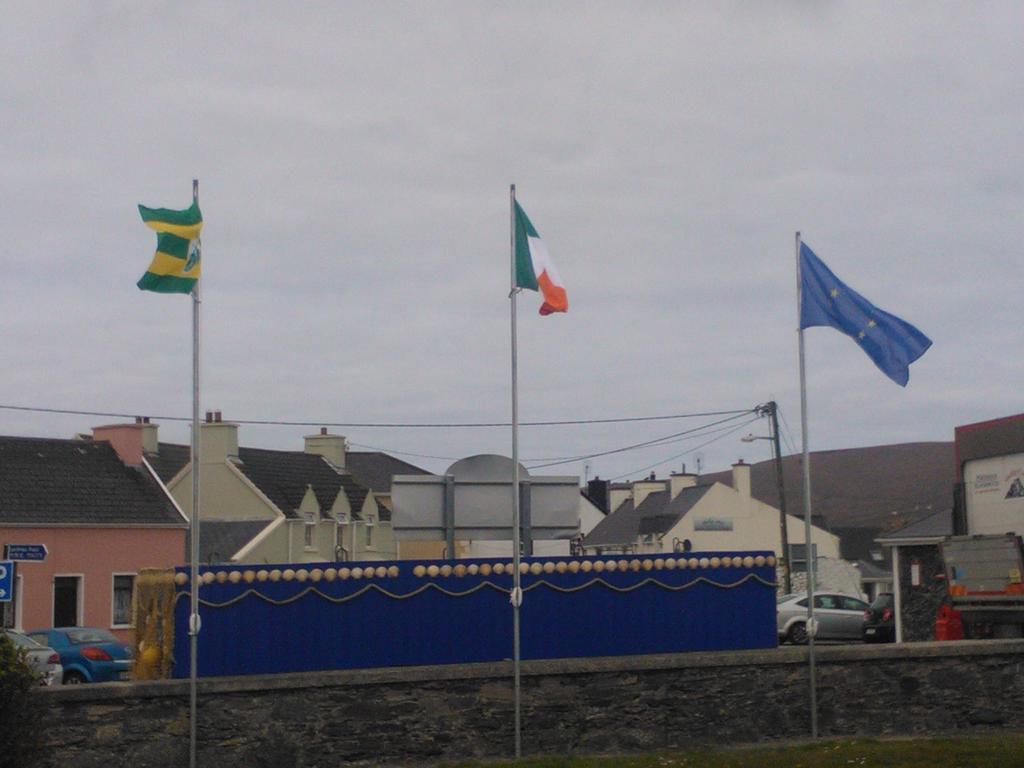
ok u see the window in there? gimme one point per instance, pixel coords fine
(798, 553)
(308, 532)
(124, 587)
(369, 534)
(853, 604)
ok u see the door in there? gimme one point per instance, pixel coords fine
(66, 593)
(829, 616)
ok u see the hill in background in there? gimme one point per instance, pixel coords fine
(879, 488)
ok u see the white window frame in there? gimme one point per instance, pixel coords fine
(309, 533)
(113, 592)
(80, 608)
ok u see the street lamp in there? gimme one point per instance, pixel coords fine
(769, 409)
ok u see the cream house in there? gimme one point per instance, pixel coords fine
(678, 515)
(265, 506)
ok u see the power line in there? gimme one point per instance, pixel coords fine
(644, 444)
(386, 425)
(727, 431)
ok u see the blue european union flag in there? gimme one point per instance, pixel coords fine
(892, 343)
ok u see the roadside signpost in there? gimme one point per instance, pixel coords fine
(29, 553)
(6, 581)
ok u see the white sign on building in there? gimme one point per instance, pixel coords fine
(994, 494)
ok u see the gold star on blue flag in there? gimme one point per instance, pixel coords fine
(892, 343)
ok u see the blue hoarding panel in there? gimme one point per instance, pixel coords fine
(290, 618)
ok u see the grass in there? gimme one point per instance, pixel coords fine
(995, 751)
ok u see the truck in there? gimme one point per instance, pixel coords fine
(984, 582)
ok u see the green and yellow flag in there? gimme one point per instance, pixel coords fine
(176, 265)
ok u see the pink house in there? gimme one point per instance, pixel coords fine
(102, 514)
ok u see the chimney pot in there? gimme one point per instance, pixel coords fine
(209, 417)
(217, 417)
(323, 430)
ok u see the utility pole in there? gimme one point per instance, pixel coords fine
(770, 410)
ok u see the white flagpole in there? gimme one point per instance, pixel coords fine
(808, 548)
(193, 621)
(517, 593)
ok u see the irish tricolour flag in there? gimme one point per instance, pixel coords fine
(534, 268)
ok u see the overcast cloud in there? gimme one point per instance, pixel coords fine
(354, 162)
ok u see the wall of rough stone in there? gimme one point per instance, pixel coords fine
(920, 603)
(419, 715)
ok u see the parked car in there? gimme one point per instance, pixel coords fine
(880, 620)
(44, 661)
(839, 617)
(88, 655)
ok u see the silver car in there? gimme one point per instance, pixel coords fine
(42, 659)
(838, 617)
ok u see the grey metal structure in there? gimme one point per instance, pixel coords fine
(473, 500)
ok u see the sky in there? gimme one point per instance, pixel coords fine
(354, 162)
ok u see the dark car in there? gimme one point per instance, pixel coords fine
(879, 620)
(88, 655)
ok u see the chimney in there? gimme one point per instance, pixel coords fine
(616, 495)
(643, 488)
(741, 478)
(130, 441)
(331, 447)
(677, 481)
(598, 492)
(218, 439)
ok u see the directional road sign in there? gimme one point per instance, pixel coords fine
(25, 552)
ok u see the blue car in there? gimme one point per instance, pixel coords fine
(88, 655)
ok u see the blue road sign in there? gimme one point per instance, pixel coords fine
(6, 581)
(25, 552)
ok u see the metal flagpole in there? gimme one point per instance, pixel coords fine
(517, 593)
(193, 621)
(808, 548)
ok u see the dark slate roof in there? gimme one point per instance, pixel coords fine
(46, 482)
(375, 469)
(282, 476)
(285, 475)
(662, 519)
(656, 514)
(220, 539)
(617, 529)
(169, 460)
(936, 526)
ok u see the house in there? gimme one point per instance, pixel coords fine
(101, 515)
(680, 514)
(262, 506)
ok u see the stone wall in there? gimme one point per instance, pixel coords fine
(920, 603)
(418, 715)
